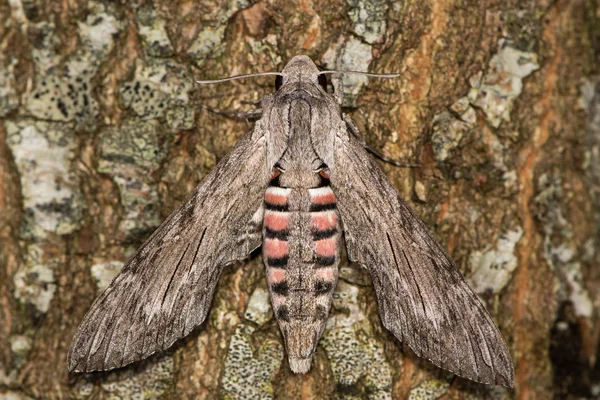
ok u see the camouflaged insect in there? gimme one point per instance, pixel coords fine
(295, 183)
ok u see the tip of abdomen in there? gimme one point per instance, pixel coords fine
(300, 365)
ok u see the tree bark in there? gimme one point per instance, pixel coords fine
(103, 133)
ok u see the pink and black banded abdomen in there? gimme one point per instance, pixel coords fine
(301, 251)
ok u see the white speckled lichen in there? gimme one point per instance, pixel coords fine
(355, 56)
(43, 152)
(153, 32)
(249, 372)
(63, 90)
(35, 285)
(259, 307)
(208, 44)
(104, 273)
(8, 95)
(20, 345)
(354, 354)
(493, 268)
(129, 154)
(35, 282)
(429, 390)
(496, 92)
(209, 41)
(368, 19)
(450, 127)
(160, 89)
(560, 250)
(13, 395)
(152, 383)
(589, 102)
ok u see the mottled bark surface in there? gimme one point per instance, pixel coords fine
(103, 132)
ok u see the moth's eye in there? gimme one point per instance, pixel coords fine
(278, 167)
(323, 81)
(278, 82)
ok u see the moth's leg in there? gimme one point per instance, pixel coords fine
(236, 114)
(354, 130)
(246, 115)
(338, 87)
(390, 160)
(255, 103)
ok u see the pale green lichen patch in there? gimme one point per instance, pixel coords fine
(368, 22)
(104, 273)
(161, 89)
(130, 154)
(356, 358)
(492, 268)
(356, 56)
(497, 393)
(347, 310)
(208, 44)
(429, 390)
(12, 395)
(249, 371)
(43, 153)
(153, 31)
(20, 345)
(36, 285)
(589, 101)
(497, 90)
(561, 251)
(259, 307)
(151, 383)
(9, 100)
(450, 127)
(578, 294)
(63, 90)
(368, 19)
(8, 379)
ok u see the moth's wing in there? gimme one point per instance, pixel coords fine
(166, 289)
(422, 297)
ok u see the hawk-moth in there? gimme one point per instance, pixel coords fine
(295, 184)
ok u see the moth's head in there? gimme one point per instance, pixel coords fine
(300, 69)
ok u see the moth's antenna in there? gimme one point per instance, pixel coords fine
(232, 78)
(372, 75)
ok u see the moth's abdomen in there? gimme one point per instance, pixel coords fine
(301, 247)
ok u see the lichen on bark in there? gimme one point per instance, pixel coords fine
(103, 132)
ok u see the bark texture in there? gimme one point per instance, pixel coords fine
(103, 132)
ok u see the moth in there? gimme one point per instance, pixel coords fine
(296, 183)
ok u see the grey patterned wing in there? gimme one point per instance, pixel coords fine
(422, 297)
(166, 289)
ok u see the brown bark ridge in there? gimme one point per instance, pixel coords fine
(103, 132)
